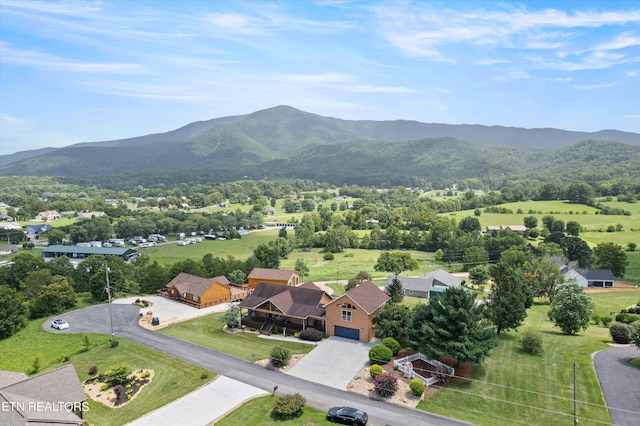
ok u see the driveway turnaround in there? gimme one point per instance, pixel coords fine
(202, 406)
(620, 383)
(333, 363)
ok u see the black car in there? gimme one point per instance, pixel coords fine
(347, 416)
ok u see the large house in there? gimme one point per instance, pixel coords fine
(52, 398)
(591, 277)
(293, 309)
(274, 276)
(428, 285)
(202, 292)
(288, 308)
(351, 314)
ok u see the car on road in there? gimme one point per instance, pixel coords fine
(347, 416)
(60, 324)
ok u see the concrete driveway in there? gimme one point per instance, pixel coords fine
(334, 362)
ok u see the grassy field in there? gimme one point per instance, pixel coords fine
(512, 387)
(173, 378)
(207, 331)
(257, 412)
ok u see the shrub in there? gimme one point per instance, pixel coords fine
(93, 370)
(328, 256)
(606, 321)
(311, 334)
(392, 344)
(375, 370)
(531, 342)
(627, 318)
(417, 387)
(380, 354)
(385, 385)
(290, 405)
(620, 333)
(118, 374)
(118, 390)
(280, 356)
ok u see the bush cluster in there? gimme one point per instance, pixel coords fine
(627, 318)
(118, 374)
(620, 333)
(531, 342)
(311, 334)
(417, 387)
(385, 385)
(280, 356)
(375, 370)
(290, 405)
(380, 354)
(392, 344)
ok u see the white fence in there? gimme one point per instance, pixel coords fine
(406, 366)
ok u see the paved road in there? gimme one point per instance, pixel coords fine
(620, 383)
(125, 318)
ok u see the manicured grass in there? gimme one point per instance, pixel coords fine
(514, 387)
(208, 331)
(174, 378)
(257, 412)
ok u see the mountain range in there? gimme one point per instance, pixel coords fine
(283, 142)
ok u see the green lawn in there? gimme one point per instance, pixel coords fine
(257, 412)
(512, 387)
(208, 331)
(174, 378)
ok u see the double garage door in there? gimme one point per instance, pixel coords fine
(347, 333)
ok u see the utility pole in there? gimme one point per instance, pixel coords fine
(575, 407)
(108, 290)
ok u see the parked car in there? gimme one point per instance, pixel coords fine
(60, 324)
(347, 416)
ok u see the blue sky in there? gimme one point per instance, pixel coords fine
(77, 71)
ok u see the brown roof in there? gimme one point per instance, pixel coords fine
(56, 387)
(367, 295)
(296, 302)
(272, 274)
(192, 284)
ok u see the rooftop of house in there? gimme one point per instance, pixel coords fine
(272, 274)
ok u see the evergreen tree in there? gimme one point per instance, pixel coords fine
(506, 308)
(395, 290)
(453, 326)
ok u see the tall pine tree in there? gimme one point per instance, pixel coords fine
(454, 326)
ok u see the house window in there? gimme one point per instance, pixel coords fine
(346, 316)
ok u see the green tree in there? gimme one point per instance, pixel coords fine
(53, 298)
(543, 277)
(506, 307)
(13, 312)
(393, 321)
(302, 268)
(395, 290)
(396, 262)
(571, 309)
(453, 326)
(573, 228)
(611, 256)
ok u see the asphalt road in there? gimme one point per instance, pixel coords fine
(125, 325)
(620, 383)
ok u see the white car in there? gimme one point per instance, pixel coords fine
(60, 324)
